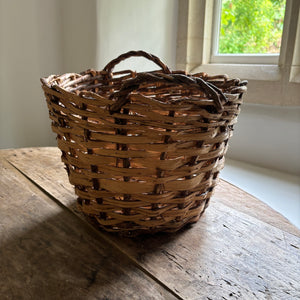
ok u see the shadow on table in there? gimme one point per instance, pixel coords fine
(62, 258)
(145, 248)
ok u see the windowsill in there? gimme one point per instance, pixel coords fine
(277, 189)
(245, 71)
(266, 83)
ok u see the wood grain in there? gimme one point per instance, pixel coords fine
(48, 253)
(228, 253)
(237, 199)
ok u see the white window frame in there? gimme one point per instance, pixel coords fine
(269, 83)
(234, 58)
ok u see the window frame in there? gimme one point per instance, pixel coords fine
(234, 58)
(275, 84)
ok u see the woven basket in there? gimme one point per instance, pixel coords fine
(143, 150)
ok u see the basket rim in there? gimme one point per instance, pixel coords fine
(238, 86)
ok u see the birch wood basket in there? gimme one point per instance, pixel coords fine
(143, 150)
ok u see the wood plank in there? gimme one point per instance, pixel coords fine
(48, 253)
(226, 254)
(232, 196)
(43, 165)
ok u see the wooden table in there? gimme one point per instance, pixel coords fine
(240, 248)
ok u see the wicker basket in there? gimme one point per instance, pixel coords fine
(143, 150)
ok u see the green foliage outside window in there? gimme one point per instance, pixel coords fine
(251, 26)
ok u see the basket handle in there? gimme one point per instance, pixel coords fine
(211, 90)
(109, 67)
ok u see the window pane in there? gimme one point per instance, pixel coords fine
(251, 26)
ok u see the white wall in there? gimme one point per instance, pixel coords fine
(268, 136)
(148, 25)
(80, 34)
(39, 38)
(23, 113)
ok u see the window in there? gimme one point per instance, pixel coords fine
(247, 31)
(273, 77)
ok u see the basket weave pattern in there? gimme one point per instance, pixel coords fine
(143, 150)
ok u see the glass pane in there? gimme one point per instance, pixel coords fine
(251, 26)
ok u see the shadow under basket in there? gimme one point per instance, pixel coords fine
(143, 150)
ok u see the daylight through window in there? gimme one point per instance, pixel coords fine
(251, 27)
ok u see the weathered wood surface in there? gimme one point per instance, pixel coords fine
(48, 253)
(229, 253)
